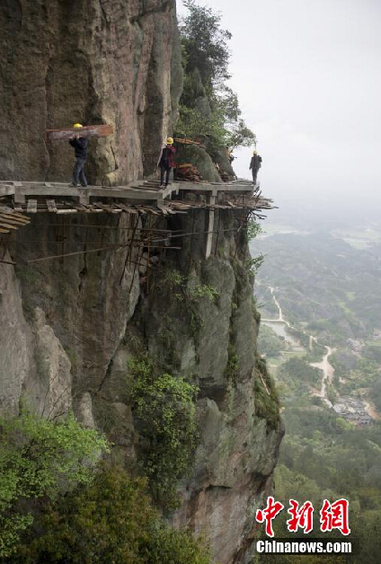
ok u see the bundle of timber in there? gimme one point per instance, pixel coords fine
(11, 220)
(86, 131)
(185, 141)
(188, 173)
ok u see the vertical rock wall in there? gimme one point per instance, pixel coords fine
(92, 61)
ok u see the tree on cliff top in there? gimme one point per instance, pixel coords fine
(206, 45)
(209, 109)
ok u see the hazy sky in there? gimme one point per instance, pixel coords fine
(308, 77)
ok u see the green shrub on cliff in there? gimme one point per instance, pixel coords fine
(165, 410)
(209, 109)
(110, 521)
(37, 458)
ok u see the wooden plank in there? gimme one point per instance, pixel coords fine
(151, 211)
(8, 212)
(104, 207)
(20, 216)
(94, 209)
(86, 131)
(31, 206)
(163, 209)
(2, 230)
(14, 220)
(67, 211)
(8, 225)
(115, 209)
(52, 208)
(124, 193)
(127, 208)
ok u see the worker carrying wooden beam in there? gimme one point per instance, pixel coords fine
(80, 145)
(78, 137)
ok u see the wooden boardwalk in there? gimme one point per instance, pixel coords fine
(19, 201)
(140, 190)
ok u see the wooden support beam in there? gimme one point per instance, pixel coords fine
(51, 206)
(209, 240)
(86, 131)
(32, 206)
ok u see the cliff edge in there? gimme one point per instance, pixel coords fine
(69, 327)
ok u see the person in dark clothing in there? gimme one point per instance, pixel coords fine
(80, 145)
(166, 162)
(255, 165)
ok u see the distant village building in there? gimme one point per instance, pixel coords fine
(354, 345)
(353, 410)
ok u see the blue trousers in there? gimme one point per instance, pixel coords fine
(78, 172)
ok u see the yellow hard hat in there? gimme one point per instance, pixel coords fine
(170, 141)
(254, 152)
(77, 126)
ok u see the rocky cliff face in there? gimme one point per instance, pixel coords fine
(92, 61)
(68, 326)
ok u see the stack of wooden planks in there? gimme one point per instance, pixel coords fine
(188, 173)
(11, 220)
(185, 141)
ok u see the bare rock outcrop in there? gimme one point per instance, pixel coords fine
(98, 61)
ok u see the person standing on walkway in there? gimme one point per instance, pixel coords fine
(80, 145)
(166, 162)
(255, 165)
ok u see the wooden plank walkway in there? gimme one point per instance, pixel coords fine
(138, 197)
(137, 191)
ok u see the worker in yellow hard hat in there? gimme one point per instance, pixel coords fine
(255, 165)
(80, 145)
(166, 162)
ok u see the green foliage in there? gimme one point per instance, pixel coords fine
(232, 368)
(183, 289)
(205, 291)
(195, 125)
(37, 458)
(266, 398)
(209, 110)
(269, 343)
(241, 136)
(253, 264)
(205, 44)
(376, 393)
(300, 372)
(253, 229)
(110, 521)
(174, 278)
(166, 412)
(176, 547)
